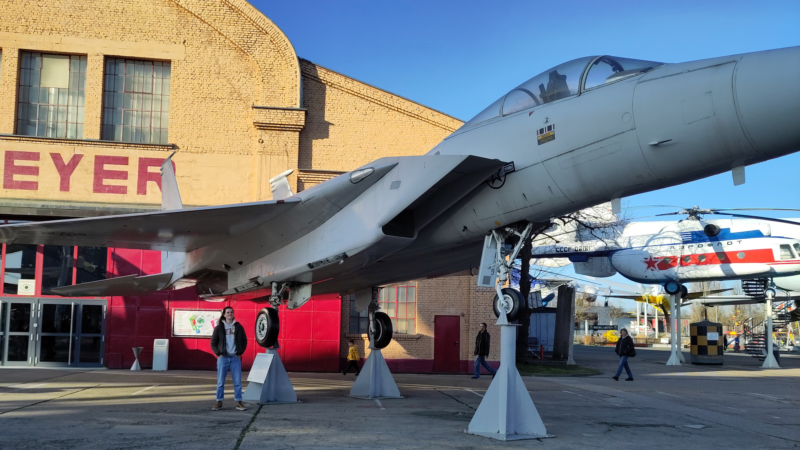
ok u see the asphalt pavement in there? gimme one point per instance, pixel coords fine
(736, 405)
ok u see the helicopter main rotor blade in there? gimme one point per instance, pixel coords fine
(747, 216)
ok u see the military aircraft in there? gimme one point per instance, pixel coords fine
(590, 130)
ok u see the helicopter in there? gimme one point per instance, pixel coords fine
(690, 250)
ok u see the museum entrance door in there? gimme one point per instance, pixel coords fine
(56, 332)
(446, 343)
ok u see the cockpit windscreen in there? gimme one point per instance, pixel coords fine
(611, 68)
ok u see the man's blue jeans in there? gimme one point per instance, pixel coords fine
(481, 361)
(234, 364)
(623, 362)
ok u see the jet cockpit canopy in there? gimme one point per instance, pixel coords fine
(563, 81)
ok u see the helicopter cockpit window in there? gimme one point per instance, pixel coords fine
(559, 82)
(611, 68)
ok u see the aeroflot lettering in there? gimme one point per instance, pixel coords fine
(570, 250)
(699, 246)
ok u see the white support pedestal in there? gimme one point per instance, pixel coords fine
(679, 330)
(769, 361)
(507, 411)
(268, 382)
(674, 359)
(375, 380)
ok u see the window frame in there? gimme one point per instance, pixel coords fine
(39, 269)
(80, 109)
(135, 113)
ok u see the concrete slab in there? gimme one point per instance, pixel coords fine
(737, 404)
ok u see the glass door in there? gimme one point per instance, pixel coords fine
(19, 325)
(56, 331)
(71, 333)
(90, 339)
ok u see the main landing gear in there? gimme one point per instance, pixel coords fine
(375, 380)
(268, 325)
(511, 302)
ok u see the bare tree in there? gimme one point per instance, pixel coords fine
(596, 223)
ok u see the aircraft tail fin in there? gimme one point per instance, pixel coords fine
(170, 195)
(171, 262)
(280, 187)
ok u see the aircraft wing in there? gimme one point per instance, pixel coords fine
(177, 230)
(699, 294)
(184, 230)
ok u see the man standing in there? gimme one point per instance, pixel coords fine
(352, 358)
(625, 350)
(482, 351)
(229, 342)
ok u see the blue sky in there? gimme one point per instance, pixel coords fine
(459, 56)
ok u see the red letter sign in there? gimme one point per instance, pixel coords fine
(101, 174)
(145, 175)
(10, 170)
(65, 170)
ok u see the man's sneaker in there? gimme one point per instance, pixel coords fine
(615, 378)
(239, 406)
(217, 406)
(474, 378)
(628, 379)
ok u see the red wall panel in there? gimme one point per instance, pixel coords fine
(309, 337)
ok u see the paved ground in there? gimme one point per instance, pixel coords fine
(735, 405)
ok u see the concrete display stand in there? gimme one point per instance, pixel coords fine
(769, 361)
(507, 411)
(268, 382)
(375, 380)
(674, 359)
(136, 352)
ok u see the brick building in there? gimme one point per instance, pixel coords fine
(95, 94)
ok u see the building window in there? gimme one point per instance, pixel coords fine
(52, 93)
(400, 303)
(136, 101)
(359, 321)
(57, 267)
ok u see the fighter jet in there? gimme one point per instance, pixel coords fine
(587, 131)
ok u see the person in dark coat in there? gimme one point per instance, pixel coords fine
(625, 350)
(482, 342)
(228, 342)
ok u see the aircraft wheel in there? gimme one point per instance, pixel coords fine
(267, 327)
(672, 287)
(684, 291)
(383, 330)
(513, 299)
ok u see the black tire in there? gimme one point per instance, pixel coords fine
(684, 291)
(516, 303)
(267, 327)
(383, 330)
(672, 287)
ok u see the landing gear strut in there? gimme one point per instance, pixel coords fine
(267, 323)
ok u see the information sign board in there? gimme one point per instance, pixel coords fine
(194, 323)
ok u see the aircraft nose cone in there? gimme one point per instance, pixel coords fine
(767, 89)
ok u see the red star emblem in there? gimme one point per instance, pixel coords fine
(651, 263)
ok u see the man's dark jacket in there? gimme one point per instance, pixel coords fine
(625, 347)
(218, 339)
(482, 343)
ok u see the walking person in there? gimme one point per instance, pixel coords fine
(352, 358)
(625, 350)
(228, 342)
(725, 340)
(482, 342)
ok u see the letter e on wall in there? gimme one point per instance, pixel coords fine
(10, 169)
(101, 174)
(145, 175)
